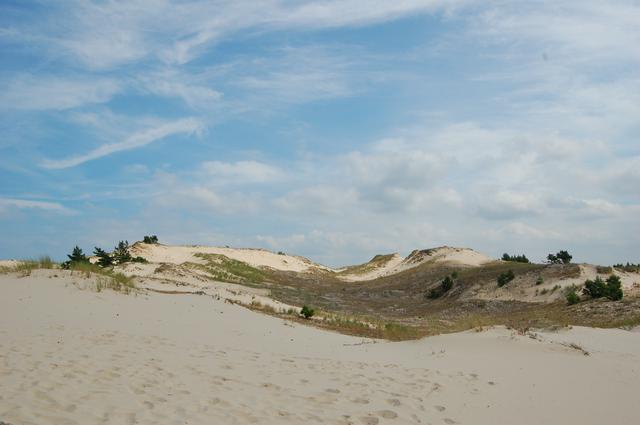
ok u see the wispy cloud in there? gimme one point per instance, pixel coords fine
(241, 172)
(30, 92)
(136, 140)
(55, 207)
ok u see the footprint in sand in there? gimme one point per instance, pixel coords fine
(369, 420)
(394, 402)
(388, 414)
(449, 421)
(440, 408)
(360, 401)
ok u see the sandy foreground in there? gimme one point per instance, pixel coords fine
(73, 356)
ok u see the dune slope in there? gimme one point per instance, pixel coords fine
(74, 356)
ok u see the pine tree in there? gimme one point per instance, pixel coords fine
(614, 288)
(121, 253)
(77, 256)
(104, 259)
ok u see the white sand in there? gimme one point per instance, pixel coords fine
(464, 257)
(157, 253)
(70, 356)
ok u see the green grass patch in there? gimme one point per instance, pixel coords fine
(223, 268)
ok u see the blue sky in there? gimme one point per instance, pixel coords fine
(331, 129)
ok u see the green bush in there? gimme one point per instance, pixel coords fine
(595, 288)
(153, 239)
(561, 257)
(515, 258)
(505, 278)
(629, 267)
(445, 285)
(598, 288)
(307, 312)
(572, 297)
(539, 280)
(614, 288)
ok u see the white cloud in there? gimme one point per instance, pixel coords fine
(136, 140)
(55, 93)
(240, 172)
(106, 35)
(6, 203)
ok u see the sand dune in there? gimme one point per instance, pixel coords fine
(157, 253)
(75, 356)
(394, 263)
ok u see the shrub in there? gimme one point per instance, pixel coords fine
(281, 253)
(445, 285)
(153, 239)
(505, 278)
(595, 288)
(539, 280)
(561, 257)
(614, 288)
(307, 312)
(572, 297)
(515, 258)
(139, 260)
(629, 267)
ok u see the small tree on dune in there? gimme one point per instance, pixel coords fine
(614, 288)
(561, 257)
(153, 239)
(104, 259)
(76, 257)
(121, 253)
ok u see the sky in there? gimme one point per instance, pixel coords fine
(336, 130)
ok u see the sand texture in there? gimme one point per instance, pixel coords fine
(75, 356)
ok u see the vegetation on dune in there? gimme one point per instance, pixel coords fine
(598, 288)
(506, 277)
(307, 312)
(153, 239)
(572, 296)
(561, 257)
(104, 259)
(225, 269)
(25, 267)
(376, 262)
(445, 285)
(515, 258)
(629, 267)
(76, 257)
(121, 254)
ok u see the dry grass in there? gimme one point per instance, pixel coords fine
(116, 282)
(25, 267)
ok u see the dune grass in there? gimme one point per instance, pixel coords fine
(225, 269)
(106, 278)
(25, 267)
